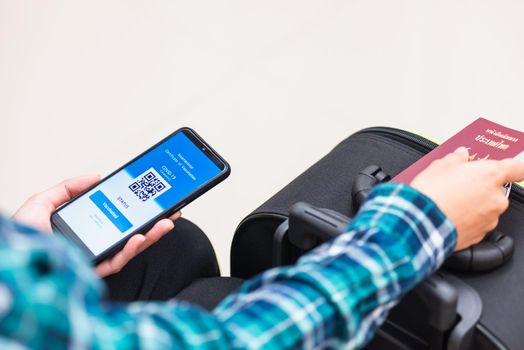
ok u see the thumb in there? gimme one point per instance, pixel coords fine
(37, 210)
(512, 170)
(69, 188)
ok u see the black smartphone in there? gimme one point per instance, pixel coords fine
(154, 185)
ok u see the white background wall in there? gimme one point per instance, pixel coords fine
(273, 85)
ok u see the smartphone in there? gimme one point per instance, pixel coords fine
(154, 185)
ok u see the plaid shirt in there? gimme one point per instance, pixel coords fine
(334, 297)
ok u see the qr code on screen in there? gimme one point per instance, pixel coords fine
(148, 185)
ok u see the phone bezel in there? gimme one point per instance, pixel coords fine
(61, 226)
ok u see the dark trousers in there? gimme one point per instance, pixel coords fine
(164, 269)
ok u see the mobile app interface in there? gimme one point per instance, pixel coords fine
(133, 196)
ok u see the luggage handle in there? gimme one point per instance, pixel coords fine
(492, 252)
(306, 227)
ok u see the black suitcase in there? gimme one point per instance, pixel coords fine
(483, 298)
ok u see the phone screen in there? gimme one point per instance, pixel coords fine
(137, 193)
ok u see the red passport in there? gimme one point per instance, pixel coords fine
(483, 138)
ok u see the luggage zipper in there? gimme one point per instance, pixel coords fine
(424, 145)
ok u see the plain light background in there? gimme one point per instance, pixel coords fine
(272, 85)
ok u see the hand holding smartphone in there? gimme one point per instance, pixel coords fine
(154, 185)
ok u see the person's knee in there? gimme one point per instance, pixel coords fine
(189, 245)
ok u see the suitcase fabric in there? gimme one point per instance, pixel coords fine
(327, 184)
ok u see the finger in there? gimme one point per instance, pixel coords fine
(67, 189)
(136, 244)
(511, 170)
(120, 259)
(460, 155)
(175, 216)
(158, 231)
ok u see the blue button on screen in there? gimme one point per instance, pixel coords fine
(113, 214)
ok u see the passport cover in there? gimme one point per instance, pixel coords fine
(483, 138)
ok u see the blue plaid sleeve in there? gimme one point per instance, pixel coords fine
(335, 296)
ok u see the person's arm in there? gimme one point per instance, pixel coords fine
(338, 293)
(342, 291)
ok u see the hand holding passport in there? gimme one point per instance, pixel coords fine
(464, 182)
(484, 139)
